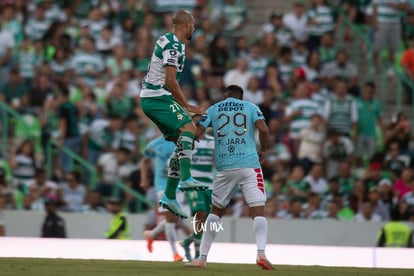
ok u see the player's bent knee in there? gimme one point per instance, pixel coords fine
(217, 210)
(256, 209)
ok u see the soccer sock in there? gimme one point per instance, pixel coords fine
(173, 176)
(171, 235)
(260, 231)
(208, 235)
(185, 153)
(158, 229)
(197, 241)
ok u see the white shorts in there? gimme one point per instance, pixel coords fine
(249, 180)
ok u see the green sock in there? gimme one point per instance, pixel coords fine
(185, 152)
(173, 177)
(171, 188)
(197, 242)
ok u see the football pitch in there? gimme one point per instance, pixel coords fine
(60, 267)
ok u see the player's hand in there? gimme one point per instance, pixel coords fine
(261, 154)
(194, 109)
(144, 184)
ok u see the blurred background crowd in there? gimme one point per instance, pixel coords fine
(70, 72)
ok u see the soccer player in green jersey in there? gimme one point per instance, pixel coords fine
(164, 103)
(202, 169)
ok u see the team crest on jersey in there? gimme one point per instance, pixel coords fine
(180, 116)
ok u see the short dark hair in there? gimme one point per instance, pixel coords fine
(63, 90)
(234, 91)
(39, 171)
(114, 117)
(124, 150)
(285, 50)
(370, 84)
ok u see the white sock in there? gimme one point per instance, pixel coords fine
(208, 235)
(260, 232)
(158, 229)
(171, 235)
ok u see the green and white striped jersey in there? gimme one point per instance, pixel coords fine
(286, 71)
(168, 51)
(126, 139)
(408, 198)
(35, 29)
(341, 113)
(99, 134)
(25, 171)
(28, 60)
(257, 66)
(320, 97)
(387, 14)
(202, 165)
(59, 68)
(82, 62)
(308, 108)
(323, 17)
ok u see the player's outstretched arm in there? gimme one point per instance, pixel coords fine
(263, 138)
(173, 86)
(199, 132)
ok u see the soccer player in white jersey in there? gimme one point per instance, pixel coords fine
(238, 166)
(164, 103)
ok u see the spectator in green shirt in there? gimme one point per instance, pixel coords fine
(12, 24)
(68, 127)
(297, 187)
(15, 92)
(369, 117)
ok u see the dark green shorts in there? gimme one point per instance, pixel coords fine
(199, 201)
(167, 114)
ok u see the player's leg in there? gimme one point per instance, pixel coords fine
(201, 218)
(252, 186)
(186, 242)
(185, 144)
(169, 200)
(150, 235)
(200, 205)
(171, 234)
(224, 185)
(202, 214)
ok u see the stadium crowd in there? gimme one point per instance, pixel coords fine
(75, 68)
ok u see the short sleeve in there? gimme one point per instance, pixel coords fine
(100, 64)
(102, 160)
(349, 147)
(171, 55)
(149, 151)
(257, 113)
(10, 41)
(354, 112)
(205, 120)
(288, 110)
